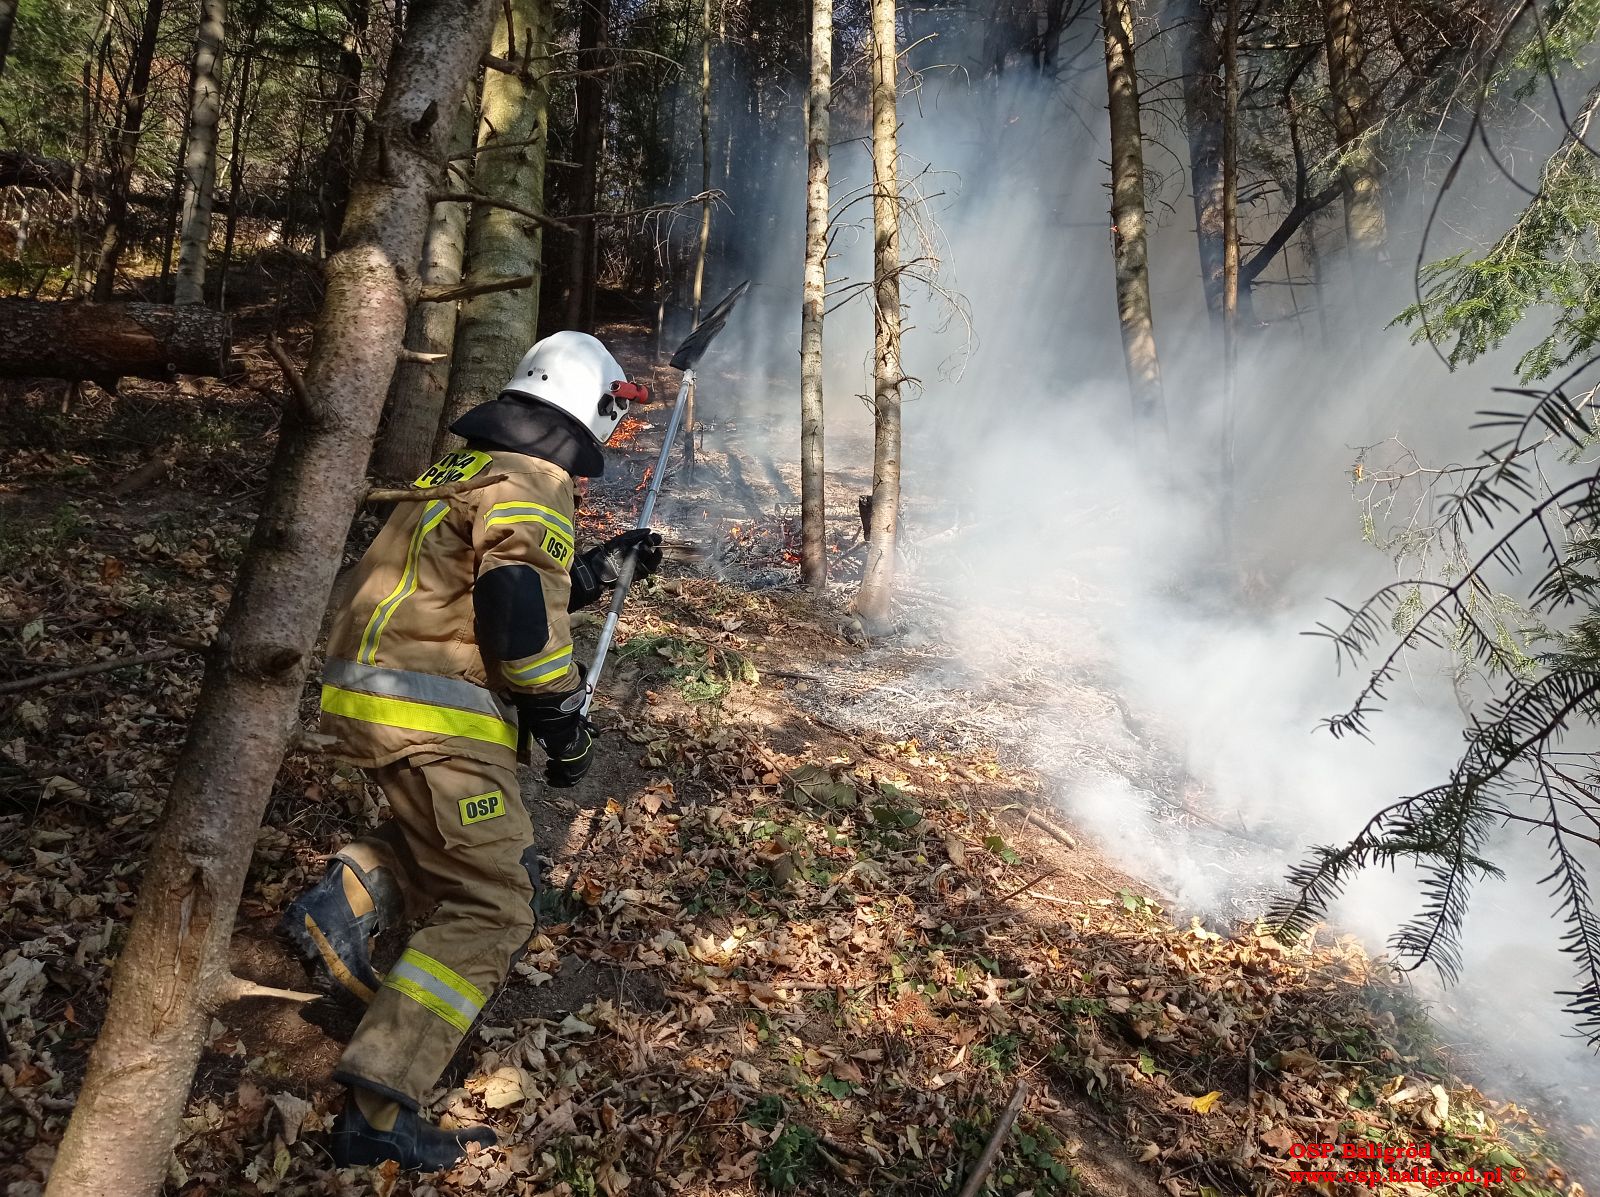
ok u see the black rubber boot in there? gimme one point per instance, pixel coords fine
(414, 1143)
(334, 942)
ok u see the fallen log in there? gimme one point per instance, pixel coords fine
(102, 342)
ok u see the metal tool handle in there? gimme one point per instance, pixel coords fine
(625, 576)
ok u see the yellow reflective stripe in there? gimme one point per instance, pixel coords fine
(404, 588)
(563, 538)
(417, 716)
(507, 512)
(446, 976)
(558, 660)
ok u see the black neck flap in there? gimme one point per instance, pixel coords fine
(534, 429)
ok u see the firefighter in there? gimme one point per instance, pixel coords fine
(456, 640)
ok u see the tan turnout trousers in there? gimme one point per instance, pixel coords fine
(457, 841)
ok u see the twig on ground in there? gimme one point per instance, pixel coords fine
(1023, 888)
(176, 649)
(997, 1140)
(1050, 829)
(427, 494)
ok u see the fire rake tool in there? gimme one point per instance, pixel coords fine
(690, 352)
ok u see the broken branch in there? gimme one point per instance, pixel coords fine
(313, 412)
(472, 197)
(21, 685)
(234, 988)
(455, 291)
(429, 493)
(991, 1151)
(423, 359)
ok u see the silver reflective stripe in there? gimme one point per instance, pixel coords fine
(405, 974)
(419, 687)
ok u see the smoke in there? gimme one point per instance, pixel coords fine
(1083, 625)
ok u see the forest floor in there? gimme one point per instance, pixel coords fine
(811, 923)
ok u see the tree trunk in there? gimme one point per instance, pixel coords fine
(173, 970)
(240, 139)
(8, 18)
(877, 582)
(339, 161)
(1128, 234)
(1230, 268)
(124, 152)
(200, 159)
(493, 331)
(104, 342)
(594, 19)
(1364, 226)
(170, 212)
(705, 220)
(1202, 105)
(416, 401)
(813, 512)
(94, 60)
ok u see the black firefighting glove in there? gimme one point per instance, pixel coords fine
(601, 566)
(556, 721)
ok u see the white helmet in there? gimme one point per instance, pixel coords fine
(574, 373)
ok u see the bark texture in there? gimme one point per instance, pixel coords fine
(877, 581)
(8, 19)
(1128, 230)
(1364, 224)
(698, 296)
(124, 153)
(813, 512)
(104, 342)
(594, 20)
(173, 969)
(1203, 105)
(416, 401)
(200, 156)
(494, 330)
(339, 159)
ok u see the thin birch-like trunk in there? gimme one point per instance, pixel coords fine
(813, 511)
(1128, 235)
(877, 582)
(698, 295)
(173, 971)
(1365, 228)
(493, 331)
(200, 158)
(594, 19)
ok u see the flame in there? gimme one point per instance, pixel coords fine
(649, 472)
(627, 431)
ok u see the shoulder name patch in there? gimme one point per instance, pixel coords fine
(453, 467)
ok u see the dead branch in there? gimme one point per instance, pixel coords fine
(421, 358)
(991, 1151)
(1027, 885)
(234, 988)
(22, 685)
(427, 494)
(713, 196)
(1050, 829)
(455, 291)
(472, 197)
(494, 146)
(311, 410)
(504, 65)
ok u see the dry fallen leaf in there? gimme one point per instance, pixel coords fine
(1205, 1104)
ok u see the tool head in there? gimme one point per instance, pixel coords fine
(576, 374)
(694, 346)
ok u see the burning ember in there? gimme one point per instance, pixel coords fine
(627, 431)
(649, 472)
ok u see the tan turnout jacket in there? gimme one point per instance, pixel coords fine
(405, 674)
